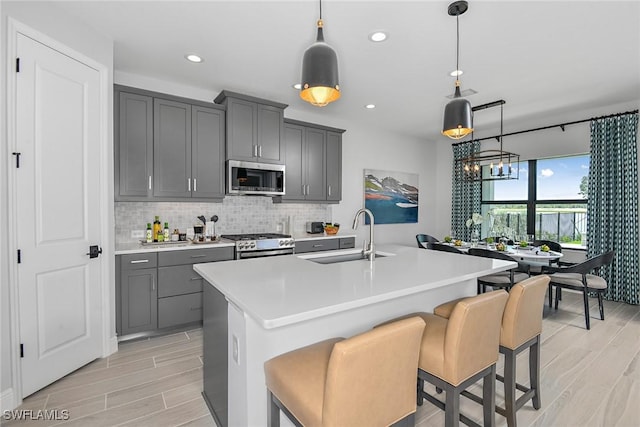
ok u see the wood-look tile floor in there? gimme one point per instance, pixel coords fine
(589, 378)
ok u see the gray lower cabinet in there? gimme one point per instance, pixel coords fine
(168, 148)
(138, 293)
(161, 290)
(328, 244)
(313, 158)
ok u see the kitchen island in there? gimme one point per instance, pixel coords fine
(256, 309)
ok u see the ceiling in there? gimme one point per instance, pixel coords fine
(543, 58)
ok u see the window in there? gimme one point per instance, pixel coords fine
(549, 201)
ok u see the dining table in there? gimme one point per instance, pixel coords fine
(529, 254)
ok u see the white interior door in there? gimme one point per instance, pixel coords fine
(58, 214)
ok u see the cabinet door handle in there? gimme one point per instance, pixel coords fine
(139, 261)
(329, 190)
(153, 283)
(308, 190)
(259, 150)
(189, 184)
(195, 184)
(149, 182)
(196, 278)
(255, 151)
(303, 189)
(318, 246)
(198, 256)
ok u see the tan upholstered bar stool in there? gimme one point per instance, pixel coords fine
(521, 328)
(458, 351)
(366, 380)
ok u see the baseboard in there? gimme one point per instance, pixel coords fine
(7, 400)
(113, 345)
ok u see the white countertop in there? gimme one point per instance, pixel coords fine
(279, 291)
(138, 248)
(301, 237)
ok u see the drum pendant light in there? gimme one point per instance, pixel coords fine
(458, 117)
(320, 71)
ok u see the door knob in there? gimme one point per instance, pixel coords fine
(94, 251)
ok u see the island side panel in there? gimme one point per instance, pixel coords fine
(247, 383)
(215, 350)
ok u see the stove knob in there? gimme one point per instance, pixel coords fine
(253, 245)
(282, 243)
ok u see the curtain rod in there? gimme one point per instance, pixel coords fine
(560, 125)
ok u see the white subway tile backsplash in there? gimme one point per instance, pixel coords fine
(237, 214)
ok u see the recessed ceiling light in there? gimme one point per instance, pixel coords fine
(370, 106)
(193, 58)
(456, 73)
(378, 36)
(297, 86)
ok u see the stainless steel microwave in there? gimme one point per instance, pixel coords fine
(255, 178)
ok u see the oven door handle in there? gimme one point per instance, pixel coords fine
(258, 254)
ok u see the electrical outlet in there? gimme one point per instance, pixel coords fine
(137, 234)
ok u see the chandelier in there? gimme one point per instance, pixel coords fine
(491, 165)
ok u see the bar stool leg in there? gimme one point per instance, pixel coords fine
(419, 389)
(273, 411)
(534, 372)
(489, 397)
(510, 387)
(452, 407)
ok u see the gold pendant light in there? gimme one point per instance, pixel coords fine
(320, 71)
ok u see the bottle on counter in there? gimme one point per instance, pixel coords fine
(166, 232)
(157, 228)
(149, 233)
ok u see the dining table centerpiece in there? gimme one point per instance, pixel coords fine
(473, 222)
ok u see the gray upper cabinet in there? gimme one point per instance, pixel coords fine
(134, 145)
(315, 162)
(334, 166)
(313, 157)
(207, 152)
(255, 128)
(171, 148)
(168, 148)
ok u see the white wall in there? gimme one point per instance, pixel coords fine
(50, 21)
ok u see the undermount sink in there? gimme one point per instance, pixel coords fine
(333, 259)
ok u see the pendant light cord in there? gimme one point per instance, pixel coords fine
(458, 46)
(320, 9)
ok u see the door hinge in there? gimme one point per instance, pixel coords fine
(17, 65)
(17, 158)
(21, 350)
(19, 256)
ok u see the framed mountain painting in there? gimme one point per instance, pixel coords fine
(392, 197)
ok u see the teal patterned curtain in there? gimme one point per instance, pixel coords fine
(612, 207)
(465, 195)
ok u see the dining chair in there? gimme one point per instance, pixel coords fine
(423, 239)
(578, 277)
(444, 248)
(503, 279)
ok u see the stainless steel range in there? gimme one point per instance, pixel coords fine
(261, 244)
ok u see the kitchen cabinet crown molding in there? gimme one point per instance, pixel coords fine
(222, 96)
